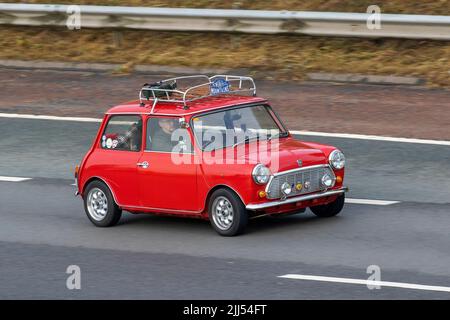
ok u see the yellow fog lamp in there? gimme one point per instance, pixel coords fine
(262, 194)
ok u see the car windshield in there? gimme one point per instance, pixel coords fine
(236, 126)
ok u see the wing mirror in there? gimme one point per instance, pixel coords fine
(183, 124)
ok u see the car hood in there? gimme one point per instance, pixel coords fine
(285, 154)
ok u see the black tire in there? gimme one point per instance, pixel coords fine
(331, 209)
(112, 213)
(239, 213)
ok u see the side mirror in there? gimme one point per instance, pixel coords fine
(183, 123)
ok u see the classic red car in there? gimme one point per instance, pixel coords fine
(210, 149)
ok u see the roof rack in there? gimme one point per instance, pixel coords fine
(198, 87)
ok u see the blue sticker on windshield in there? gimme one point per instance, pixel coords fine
(219, 86)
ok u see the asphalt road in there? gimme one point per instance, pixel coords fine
(43, 230)
(376, 169)
(398, 111)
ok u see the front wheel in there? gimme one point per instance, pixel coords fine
(227, 213)
(100, 206)
(331, 209)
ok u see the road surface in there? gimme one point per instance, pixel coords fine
(43, 229)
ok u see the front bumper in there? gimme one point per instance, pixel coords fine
(77, 193)
(265, 205)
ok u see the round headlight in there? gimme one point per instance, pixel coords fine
(286, 188)
(337, 159)
(261, 174)
(327, 180)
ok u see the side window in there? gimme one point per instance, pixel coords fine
(123, 133)
(164, 134)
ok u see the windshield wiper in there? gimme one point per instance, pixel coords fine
(278, 135)
(247, 139)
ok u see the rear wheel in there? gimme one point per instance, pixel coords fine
(227, 213)
(100, 206)
(331, 209)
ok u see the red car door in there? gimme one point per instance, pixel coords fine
(115, 160)
(167, 171)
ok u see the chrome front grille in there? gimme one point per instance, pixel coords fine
(304, 176)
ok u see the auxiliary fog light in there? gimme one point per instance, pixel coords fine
(286, 188)
(327, 180)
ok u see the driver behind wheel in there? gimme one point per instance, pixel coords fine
(162, 140)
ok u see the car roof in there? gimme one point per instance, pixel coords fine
(176, 109)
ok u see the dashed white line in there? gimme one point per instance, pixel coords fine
(371, 202)
(366, 282)
(347, 200)
(299, 132)
(44, 117)
(371, 137)
(13, 179)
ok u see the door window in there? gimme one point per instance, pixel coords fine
(123, 132)
(164, 134)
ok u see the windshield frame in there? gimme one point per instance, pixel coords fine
(268, 108)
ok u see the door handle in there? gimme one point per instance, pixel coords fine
(142, 164)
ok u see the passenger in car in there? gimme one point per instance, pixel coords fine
(162, 139)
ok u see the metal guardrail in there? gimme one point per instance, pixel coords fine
(246, 21)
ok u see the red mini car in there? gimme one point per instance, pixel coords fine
(205, 147)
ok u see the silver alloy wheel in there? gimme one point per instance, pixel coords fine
(222, 213)
(97, 204)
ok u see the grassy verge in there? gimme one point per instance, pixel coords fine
(438, 7)
(285, 57)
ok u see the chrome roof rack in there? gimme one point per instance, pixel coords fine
(197, 87)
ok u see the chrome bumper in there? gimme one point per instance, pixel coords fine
(265, 205)
(76, 186)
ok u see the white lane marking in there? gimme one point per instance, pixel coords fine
(13, 179)
(299, 132)
(44, 117)
(370, 202)
(366, 282)
(371, 137)
(347, 200)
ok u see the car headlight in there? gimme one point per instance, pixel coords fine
(286, 188)
(337, 159)
(261, 174)
(327, 180)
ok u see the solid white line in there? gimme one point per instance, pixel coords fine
(44, 117)
(371, 137)
(299, 132)
(366, 282)
(13, 179)
(370, 202)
